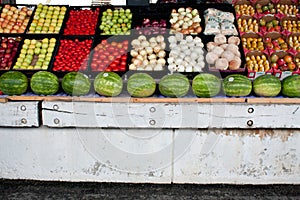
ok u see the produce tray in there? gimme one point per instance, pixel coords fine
(19, 6)
(61, 28)
(3, 50)
(29, 72)
(111, 38)
(61, 73)
(78, 8)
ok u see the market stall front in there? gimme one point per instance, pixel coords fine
(164, 94)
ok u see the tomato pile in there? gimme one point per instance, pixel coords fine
(72, 55)
(110, 56)
(82, 22)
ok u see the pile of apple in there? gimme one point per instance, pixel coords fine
(47, 19)
(117, 22)
(265, 9)
(82, 22)
(72, 55)
(270, 26)
(276, 44)
(35, 54)
(8, 50)
(110, 56)
(284, 64)
(14, 19)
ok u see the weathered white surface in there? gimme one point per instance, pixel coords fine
(19, 114)
(145, 155)
(241, 157)
(170, 115)
(109, 155)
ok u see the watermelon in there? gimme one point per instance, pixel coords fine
(237, 85)
(45, 83)
(13, 83)
(267, 86)
(291, 86)
(108, 84)
(76, 84)
(174, 85)
(141, 85)
(206, 85)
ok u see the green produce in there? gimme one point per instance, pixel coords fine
(237, 85)
(267, 86)
(45, 83)
(206, 85)
(174, 85)
(108, 84)
(141, 85)
(76, 84)
(291, 86)
(13, 83)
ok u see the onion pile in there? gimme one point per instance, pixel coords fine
(186, 54)
(223, 54)
(148, 55)
(186, 21)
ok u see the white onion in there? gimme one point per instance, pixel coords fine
(158, 67)
(172, 39)
(132, 67)
(152, 61)
(145, 44)
(152, 39)
(161, 61)
(143, 52)
(171, 60)
(142, 38)
(134, 53)
(161, 54)
(149, 50)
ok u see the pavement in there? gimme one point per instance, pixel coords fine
(21, 189)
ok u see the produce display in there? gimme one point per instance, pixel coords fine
(8, 51)
(263, 37)
(14, 19)
(186, 21)
(47, 19)
(35, 54)
(44, 83)
(148, 54)
(72, 55)
(186, 53)
(116, 22)
(109, 56)
(82, 22)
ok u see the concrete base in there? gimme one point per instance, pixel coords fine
(151, 155)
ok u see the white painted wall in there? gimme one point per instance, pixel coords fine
(150, 155)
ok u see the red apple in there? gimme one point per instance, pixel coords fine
(274, 65)
(281, 62)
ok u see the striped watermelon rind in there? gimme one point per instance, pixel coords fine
(13, 83)
(291, 86)
(108, 84)
(174, 85)
(237, 85)
(44, 83)
(141, 85)
(76, 84)
(267, 86)
(206, 85)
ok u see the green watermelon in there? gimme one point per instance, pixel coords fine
(237, 85)
(108, 84)
(267, 86)
(13, 83)
(45, 83)
(206, 85)
(76, 84)
(291, 86)
(174, 85)
(141, 85)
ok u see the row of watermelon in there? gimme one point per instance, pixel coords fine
(143, 85)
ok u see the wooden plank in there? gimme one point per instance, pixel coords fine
(273, 100)
(3, 100)
(19, 114)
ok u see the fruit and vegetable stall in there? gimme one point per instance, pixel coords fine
(172, 92)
